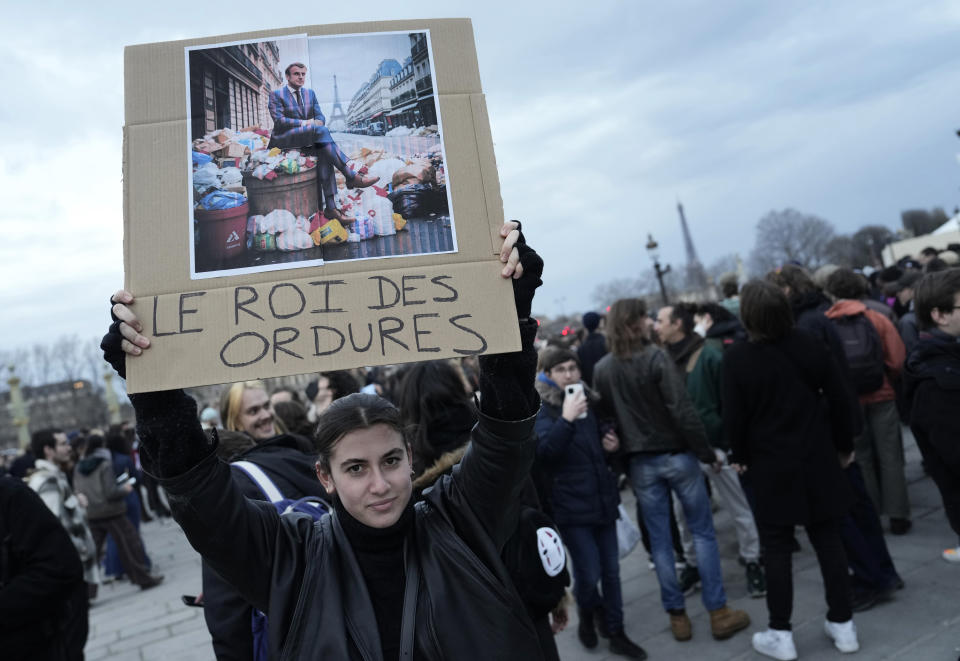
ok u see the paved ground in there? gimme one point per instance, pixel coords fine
(921, 623)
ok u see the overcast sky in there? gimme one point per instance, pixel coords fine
(603, 115)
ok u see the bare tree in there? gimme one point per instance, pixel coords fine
(790, 236)
(920, 221)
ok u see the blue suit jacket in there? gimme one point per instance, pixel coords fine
(288, 130)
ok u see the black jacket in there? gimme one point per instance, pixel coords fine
(318, 603)
(594, 348)
(583, 489)
(787, 415)
(304, 574)
(227, 613)
(43, 597)
(648, 398)
(932, 392)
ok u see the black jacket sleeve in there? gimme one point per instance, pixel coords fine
(39, 566)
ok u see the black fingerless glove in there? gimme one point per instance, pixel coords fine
(506, 380)
(112, 351)
(525, 286)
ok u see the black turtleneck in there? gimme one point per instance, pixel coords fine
(379, 552)
(682, 350)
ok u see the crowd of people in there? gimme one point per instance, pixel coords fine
(373, 512)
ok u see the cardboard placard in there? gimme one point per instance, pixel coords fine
(217, 308)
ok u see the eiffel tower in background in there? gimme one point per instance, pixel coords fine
(696, 275)
(338, 118)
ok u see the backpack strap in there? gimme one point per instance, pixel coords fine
(256, 474)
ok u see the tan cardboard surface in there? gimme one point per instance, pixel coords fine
(156, 238)
(320, 323)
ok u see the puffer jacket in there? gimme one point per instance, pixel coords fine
(649, 400)
(94, 478)
(583, 489)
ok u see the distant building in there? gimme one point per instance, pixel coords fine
(230, 86)
(403, 98)
(68, 405)
(371, 102)
(411, 90)
(423, 79)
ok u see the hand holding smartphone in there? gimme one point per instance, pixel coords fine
(574, 402)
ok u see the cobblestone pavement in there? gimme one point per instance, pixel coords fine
(921, 623)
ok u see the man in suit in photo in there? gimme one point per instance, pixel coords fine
(298, 122)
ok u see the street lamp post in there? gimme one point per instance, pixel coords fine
(654, 251)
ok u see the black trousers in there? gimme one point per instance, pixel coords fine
(863, 540)
(825, 537)
(128, 543)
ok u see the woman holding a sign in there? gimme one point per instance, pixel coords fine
(381, 577)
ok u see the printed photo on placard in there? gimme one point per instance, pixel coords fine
(306, 150)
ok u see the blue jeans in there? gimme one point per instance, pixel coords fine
(596, 558)
(653, 476)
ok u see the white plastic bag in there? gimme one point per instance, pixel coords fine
(379, 210)
(627, 533)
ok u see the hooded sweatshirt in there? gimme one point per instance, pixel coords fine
(94, 478)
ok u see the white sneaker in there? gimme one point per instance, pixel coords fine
(843, 634)
(952, 555)
(776, 644)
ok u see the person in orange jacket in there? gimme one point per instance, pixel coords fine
(876, 355)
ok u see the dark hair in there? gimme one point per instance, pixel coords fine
(930, 251)
(293, 415)
(934, 265)
(796, 278)
(286, 72)
(716, 311)
(844, 283)
(684, 313)
(117, 443)
(94, 442)
(729, 286)
(43, 438)
(231, 443)
(351, 413)
(765, 311)
(621, 321)
(429, 392)
(935, 291)
(552, 356)
(294, 394)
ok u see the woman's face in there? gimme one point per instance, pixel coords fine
(256, 416)
(371, 472)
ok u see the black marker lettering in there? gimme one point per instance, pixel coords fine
(278, 343)
(483, 342)
(326, 296)
(437, 299)
(387, 334)
(184, 312)
(417, 332)
(369, 337)
(396, 292)
(273, 310)
(263, 352)
(316, 340)
(403, 283)
(156, 332)
(242, 305)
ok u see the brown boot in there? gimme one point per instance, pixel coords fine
(681, 627)
(362, 181)
(724, 622)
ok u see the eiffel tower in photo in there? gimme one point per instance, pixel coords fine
(338, 118)
(696, 275)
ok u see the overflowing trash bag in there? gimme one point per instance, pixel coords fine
(221, 199)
